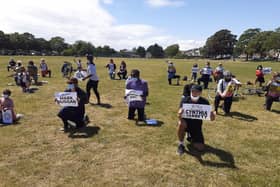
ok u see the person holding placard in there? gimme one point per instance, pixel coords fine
(74, 113)
(193, 109)
(8, 114)
(273, 91)
(136, 93)
(225, 91)
(206, 73)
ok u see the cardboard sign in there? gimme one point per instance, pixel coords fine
(133, 95)
(80, 75)
(267, 70)
(7, 116)
(67, 99)
(196, 111)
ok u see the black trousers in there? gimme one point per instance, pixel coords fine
(269, 101)
(72, 114)
(205, 79)
(94, 85)
(227, 103)
(140, 112)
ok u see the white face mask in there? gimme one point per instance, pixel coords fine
(5, 96)
(134, 79)
(194, 98)
(71, 86)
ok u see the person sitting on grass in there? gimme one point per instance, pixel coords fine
(171, 70)
(273, 91)
(74, 114)
(6, 103)
(193, 127)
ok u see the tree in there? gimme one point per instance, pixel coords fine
(141, 51)
(243, 41)
(81, 48)
(220, 44)
(171, 50)
(57, 44)
(156, 51)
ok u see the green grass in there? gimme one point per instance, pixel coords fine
(244, 148)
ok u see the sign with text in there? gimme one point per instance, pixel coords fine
(133, 95)
(67, 99)
(80, 75)
(196, 111)
(267, 70)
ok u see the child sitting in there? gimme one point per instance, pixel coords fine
(6, 103)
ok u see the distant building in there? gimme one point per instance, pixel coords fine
(192, 52)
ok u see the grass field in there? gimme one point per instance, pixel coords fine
(112, 151)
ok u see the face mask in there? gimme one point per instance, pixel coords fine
(5, 96)
(71, 86)
(194, 98)
(134, 79)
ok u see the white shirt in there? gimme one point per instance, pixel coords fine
(43, 67)
(223, 86)
(195, 69)
(91, 70)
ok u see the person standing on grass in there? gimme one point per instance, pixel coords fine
(259, 75)
(139, 88)
(93, 79)
(193, 127)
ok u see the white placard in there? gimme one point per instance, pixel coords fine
(7, 116)
(196, 111)
(133, 95)
(267, 70)
(67, 98)
(80, 75)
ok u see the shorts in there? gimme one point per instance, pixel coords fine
(195, 131)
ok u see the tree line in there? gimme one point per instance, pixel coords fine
(222, 44)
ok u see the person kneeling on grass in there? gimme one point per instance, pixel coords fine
(74, 114)
(273, 91)
(137, 101)
(193, 127)
(6, 103)
(225, 91)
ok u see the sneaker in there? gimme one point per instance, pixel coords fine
(64, 129)
(181, 150)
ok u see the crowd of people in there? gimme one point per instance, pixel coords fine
(137, 91)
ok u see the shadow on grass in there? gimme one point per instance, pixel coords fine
(103, 105)
(241, 116)
(33, 90)
(226, 158)
(85, 132)
(276, 111)
(142, 124)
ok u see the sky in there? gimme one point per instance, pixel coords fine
(124, 24)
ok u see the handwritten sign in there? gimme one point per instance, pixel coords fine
(80, 75)
(196, 111)
(133, 95)
(267, 70)
(67, 99)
